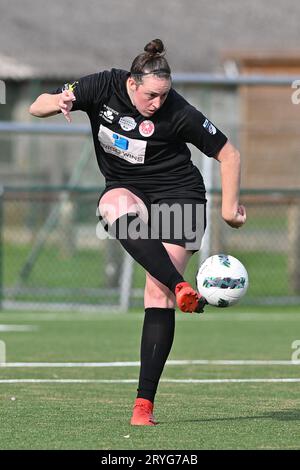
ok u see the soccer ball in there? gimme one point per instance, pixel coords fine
(222, 280)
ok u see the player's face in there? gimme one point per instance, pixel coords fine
(149, 96)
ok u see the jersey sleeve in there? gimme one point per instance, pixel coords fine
(193, 127)
(88, 90)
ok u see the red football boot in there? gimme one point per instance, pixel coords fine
(143, 413)
(188, 300)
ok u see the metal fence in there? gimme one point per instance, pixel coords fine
(49, 252)
(51, 256)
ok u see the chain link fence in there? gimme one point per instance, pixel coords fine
(51, 255)
(49, 252)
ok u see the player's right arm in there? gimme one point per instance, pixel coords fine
(48, 105)
(81, 95)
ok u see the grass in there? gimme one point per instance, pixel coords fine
(192, 415)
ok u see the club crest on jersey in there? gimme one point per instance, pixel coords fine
(146, 128)
(127, 123)
(209, 127)
(108, 114)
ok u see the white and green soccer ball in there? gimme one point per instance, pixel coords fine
(222, 280)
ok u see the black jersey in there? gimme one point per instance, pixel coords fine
(148, 153)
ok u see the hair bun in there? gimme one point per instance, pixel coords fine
(154, 47)
(151, 61)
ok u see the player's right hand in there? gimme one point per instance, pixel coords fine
(65, 103)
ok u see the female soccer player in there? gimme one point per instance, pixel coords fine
(154, 200)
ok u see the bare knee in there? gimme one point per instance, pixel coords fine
(115, 203)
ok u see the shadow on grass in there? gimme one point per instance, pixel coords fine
(283, 415)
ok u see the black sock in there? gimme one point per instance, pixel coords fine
(157, 339)
(146, 250)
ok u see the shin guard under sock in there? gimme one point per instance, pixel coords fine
(156, 343)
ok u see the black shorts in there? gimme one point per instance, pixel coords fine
(179, 221)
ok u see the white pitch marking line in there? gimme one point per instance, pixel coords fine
(200, 381)
(105, 316)
(137, 363)
(131, 381)
(21, 328)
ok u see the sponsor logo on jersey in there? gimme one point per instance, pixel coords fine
(131, 150)
(146, 128)
(108, 114)
(127, 123)
(209, 127)
(120, 142)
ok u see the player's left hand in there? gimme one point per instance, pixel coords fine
(238, 219)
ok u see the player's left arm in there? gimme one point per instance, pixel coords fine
(233, 212)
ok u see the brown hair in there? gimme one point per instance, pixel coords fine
(152, 61)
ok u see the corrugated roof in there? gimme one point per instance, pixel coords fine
(71, 38)
(13, 69)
